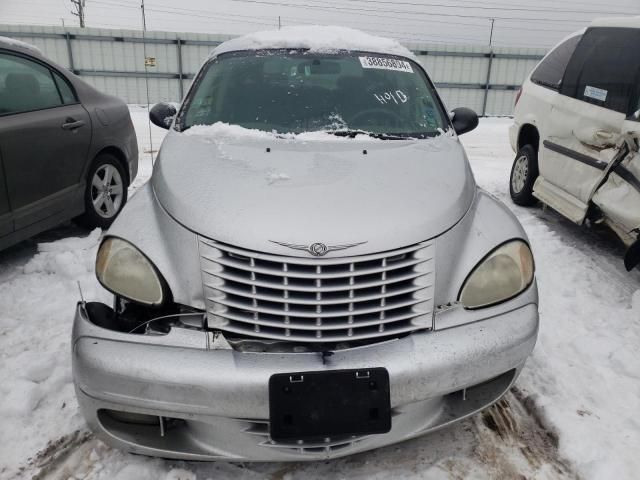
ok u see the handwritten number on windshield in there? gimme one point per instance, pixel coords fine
(387, 97)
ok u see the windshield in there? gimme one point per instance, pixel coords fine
(296, 91)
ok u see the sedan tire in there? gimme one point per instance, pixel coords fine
(105, 193)
(523, 175)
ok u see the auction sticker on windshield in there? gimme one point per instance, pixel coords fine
(386, 64)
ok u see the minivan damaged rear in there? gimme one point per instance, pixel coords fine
(311, 271)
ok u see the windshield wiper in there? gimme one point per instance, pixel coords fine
(354, 133)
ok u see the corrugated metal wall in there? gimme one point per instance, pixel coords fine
(477, 77)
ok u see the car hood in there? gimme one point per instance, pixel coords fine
(253, 191)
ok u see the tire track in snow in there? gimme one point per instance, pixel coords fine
(507, 441)
(514, 424)
(48, 460)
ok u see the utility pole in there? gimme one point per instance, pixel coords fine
(491, 34)
(146, 76)
(78, 10)
(144, 18)
(279, 23)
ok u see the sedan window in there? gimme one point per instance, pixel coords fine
(25, 86)
(65, 89)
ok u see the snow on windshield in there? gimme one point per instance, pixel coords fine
(222, 132)
(317, 38)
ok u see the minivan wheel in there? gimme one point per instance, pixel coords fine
(105, 193)
(523, 175)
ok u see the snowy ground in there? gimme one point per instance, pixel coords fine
(573, 412)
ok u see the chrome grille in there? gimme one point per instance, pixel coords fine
(318, 300)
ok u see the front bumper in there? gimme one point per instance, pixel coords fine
(217, 399)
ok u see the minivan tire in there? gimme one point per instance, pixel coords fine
(105, 192)
(523, 175)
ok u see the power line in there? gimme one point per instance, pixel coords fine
(362, 11)
(328, 10)
(198, 13)
(478, 25)
(204, 14)
(484, 7)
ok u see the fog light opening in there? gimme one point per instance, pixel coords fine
(134, 418)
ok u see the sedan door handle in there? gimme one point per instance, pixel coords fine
(71, 124)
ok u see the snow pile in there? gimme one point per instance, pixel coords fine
(223, 132)
(37, 400)
(317, 38)
(17, 43)
(220, 130)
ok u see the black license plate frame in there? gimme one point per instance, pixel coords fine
(326, 404)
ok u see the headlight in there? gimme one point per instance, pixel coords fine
(122, 269)
(501, 275)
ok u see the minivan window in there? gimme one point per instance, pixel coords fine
(605, 68)
(297, 91)
(25, 86)
(550, 72)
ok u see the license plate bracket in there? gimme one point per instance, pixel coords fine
(318, 405)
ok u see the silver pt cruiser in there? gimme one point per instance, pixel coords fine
(311, 270)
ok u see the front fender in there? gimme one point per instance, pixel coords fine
(172, 248)
(487, 224)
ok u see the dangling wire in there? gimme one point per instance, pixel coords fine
(164, 317)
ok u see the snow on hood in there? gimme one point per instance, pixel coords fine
(17, 43)
(316, 38)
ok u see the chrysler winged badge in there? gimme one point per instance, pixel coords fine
(318, 249)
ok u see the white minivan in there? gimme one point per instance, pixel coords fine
(577, 128)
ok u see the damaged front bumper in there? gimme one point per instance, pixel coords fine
(199, 401)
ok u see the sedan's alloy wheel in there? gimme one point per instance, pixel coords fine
(107, 191)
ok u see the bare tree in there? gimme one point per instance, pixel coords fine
(78, 10)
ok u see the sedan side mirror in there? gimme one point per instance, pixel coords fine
(464, 120)
(162, 114)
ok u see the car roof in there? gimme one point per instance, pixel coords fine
(315, 38)
(621, 22)
(13, 44)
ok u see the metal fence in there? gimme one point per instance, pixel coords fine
(119, 62)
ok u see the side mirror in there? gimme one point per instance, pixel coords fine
(161, 114)
(464, 120)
